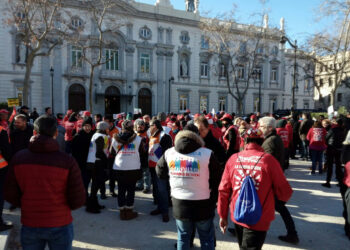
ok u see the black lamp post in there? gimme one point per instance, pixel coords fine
(51, 74)
(294, 45)
(257, 75)
(171, 79)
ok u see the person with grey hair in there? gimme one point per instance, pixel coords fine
(273, 145)
(96, 163)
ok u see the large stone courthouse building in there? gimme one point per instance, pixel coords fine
(159, 64)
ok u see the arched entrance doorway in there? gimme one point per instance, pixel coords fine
(76, 98)
(112, 100)
(145, 101)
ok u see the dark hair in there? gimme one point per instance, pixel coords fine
(202, 120)
(191, 127)
(22, 117)
(99, 116)
(47, 108)
(59, 115)
(183, 123)
(45, 125)
(317, 124)
(109, 118)
(73, 117)
(258, 141)
(340, 122)
(157, 123)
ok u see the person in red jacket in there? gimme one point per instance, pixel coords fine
(70, 127)
(345, 193)
(317, 144)
(269, 182)
(283, 132)
(47, 185)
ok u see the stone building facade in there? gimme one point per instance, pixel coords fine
(159, 64)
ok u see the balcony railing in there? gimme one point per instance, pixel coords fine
(113, 74)
(145, 77)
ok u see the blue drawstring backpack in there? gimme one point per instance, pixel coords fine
(248, 208)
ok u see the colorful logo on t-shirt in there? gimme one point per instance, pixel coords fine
(185, 167)
(127, 148)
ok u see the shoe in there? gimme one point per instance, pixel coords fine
(12, 208)
(92, 206)
(165, 218)
(290, 238)
(312, 173)
(103, 196)
(146, 191)
(92, 210)
(155, 212)
(232, 231)
(327, 185)
(122, 213)
(114, 195)
(138, 188)
(4, 227)
(130, 214)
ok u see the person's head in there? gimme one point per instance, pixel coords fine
(254, 136)
(191, 127)
(161, 117)
(34, 109)
(339, 122)
(253, 118)
(86, 114)
(127, 126)
(59, 116)
(267, 125)
(24, 109)
(203, 126)
(109, 119)
(139, 126)
(48, 111)
(98, 118)
(73, 117)
(226, 120)
(102, 127)
(317, 124)
(237, 121)
(176, 126)
(326, 123)
(154, 126)
(146, 119)
(20, 122)
(45, 125)
(321, 118)
(87, 124)
(4, 114)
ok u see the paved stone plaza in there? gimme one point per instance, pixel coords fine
(315, 209)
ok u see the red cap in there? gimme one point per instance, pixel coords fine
(86, 113)
(4, 111)
(196, 116)
(180, 117)
(69, 112)
(188, 111)
(226, 116)
(253, 133)
(208, 116)
(253, 117)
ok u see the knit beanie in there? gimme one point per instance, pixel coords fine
(103, 126)
(127, 125)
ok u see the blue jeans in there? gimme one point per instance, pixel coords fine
(58, 238)
(316, 157)
(145, 181)
(205, 230)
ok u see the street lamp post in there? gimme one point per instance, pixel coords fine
(51, 74)
(171, 79)
(257, 75)
(294, 45)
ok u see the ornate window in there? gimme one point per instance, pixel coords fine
(222, 103)
(76, 57)
(76, 23)
(145, 33)
(223, 70)
(145, 63)
(203, 103)
(204, 42)
(274, 51)
(112, 59)
(204, 69)
(184, 37)
(257, 74)
(260, 50)
(274, 74)
(183, 102)
(241, 72)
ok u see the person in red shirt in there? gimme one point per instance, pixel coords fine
(317, 138)
(269, 182)
(70, 127)
(175, 129)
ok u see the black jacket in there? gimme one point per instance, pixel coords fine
(5, 148)
(214, 145)
(273, 145)
(80, 147)
(304, 128)
(187, 142)
(232, 136)
(20, 139)
(335, 138)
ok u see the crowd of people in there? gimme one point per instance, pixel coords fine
(192, 163)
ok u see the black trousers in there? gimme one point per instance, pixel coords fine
(3, 172)
(98, 177)
(111, 177)
(250, 239)
(280, 207)
(333, 156)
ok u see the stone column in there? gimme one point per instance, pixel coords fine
(160, 81)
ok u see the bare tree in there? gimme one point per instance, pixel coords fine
(240, 50)
(104, 22)
(331, 49)
(37, 26)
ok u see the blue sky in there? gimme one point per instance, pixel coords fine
(300, 15)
